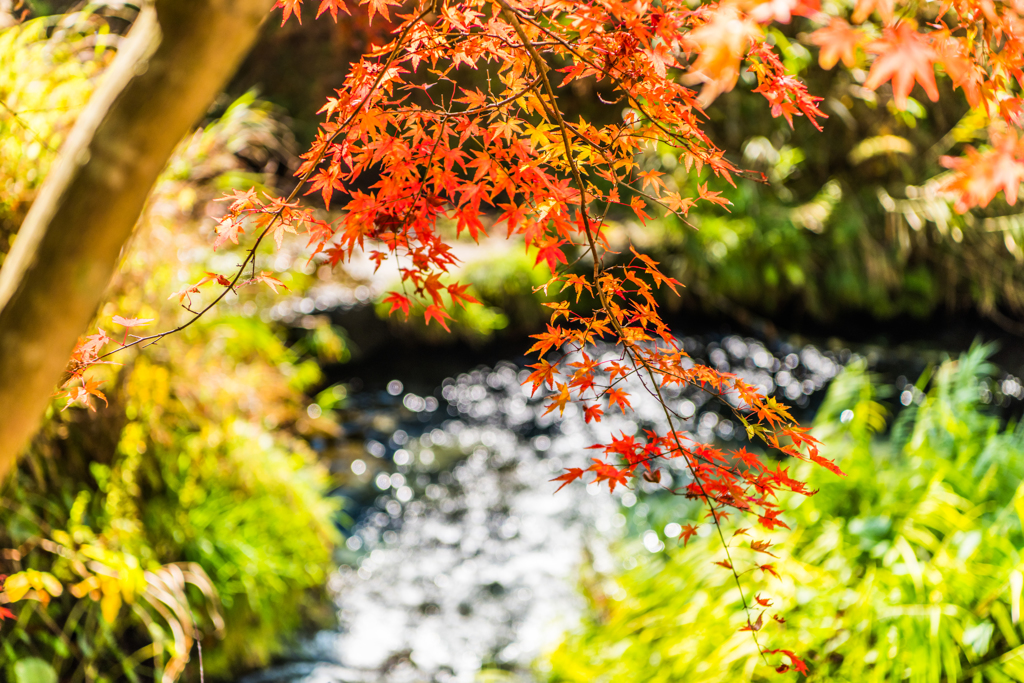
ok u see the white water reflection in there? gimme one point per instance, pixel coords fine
(471, 561)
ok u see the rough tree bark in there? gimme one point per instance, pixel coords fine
(173, 63)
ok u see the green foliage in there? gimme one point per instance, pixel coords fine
(511, 283)
(848, 220)
(507, 285)
(34, 670)
(909, 568)
(191, 503)
(44, 82)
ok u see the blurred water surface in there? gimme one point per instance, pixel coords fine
(463, 560)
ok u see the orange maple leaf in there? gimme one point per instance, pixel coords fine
(652, 270)
(618, 397)
(593, 412)
(639, 207)
(290, 7)
(543, 373)
(326, 180)
(866, 7)
(83, 393)
(547, 340)
(838, 42)
(333, 6)
(229, 228)
(559, 400)
(269, 280)
(380, 7)
(720, 45)
(979, 176)
(129, 323)
(712, 196)
(651, 178)
(962, 69)
(904, 55)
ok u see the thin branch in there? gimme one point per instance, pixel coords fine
(251, 254)
(21, 122)
(552, 109)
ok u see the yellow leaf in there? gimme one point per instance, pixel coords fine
(110, 604)
(50, 584)
(16, 586)
(80, 590)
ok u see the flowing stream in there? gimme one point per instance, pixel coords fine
(463, 565)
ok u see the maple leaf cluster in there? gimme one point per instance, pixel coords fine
(412, 143)
(978, 44)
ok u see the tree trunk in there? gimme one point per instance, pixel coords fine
(173, 63)
(7, 18)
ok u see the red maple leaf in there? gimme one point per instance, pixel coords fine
(609, 473)
(755, 626)
(827, 464)
(797, 663)
(688, 531)
(762, 547)
(571, 475)
(459, 295)
(550, 253)
(398, 302)
(437, 313)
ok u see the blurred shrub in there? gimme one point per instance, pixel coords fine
(508, 286)
(48, 67)
(909, 568)
(190, 504)
(848, 219)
